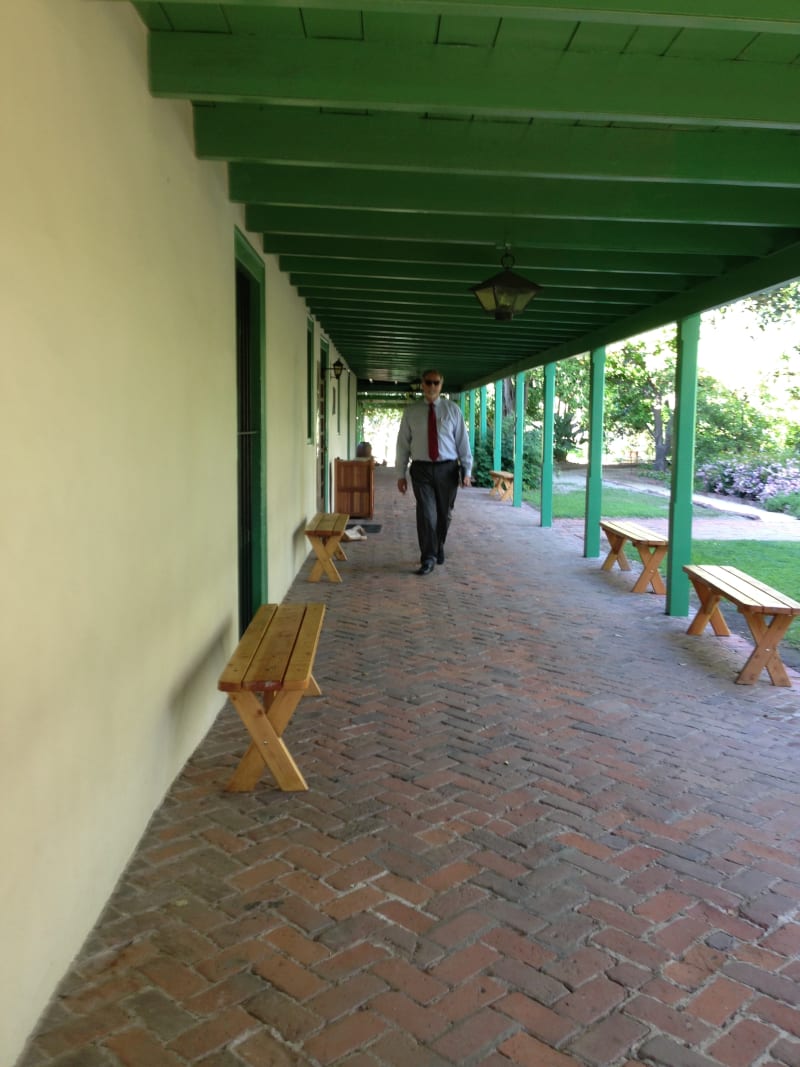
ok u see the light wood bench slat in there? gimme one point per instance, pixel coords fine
(232, 677)
(325, 532)
(745, 591)
(326, 524)
(502, 485)
(651, 546)
(298, 672)
(265, 678)
(634, 531)
(271, 660)
(757, 602)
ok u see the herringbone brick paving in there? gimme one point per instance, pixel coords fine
(544, 827)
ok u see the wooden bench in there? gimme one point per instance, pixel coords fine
(651, 546)
(325, 532)
(265, 678)
(502, 485)
(757, 602)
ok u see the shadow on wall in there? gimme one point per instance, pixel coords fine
(199, 679)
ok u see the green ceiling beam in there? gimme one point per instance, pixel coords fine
(461, 338)
(373, 314)
(407, 342)
(368, 286)
(481, 258)
(509, 81)
(496, 232)
(269, 183)
(306, 270)
(398, 301)
(300, 136)
(774, 16)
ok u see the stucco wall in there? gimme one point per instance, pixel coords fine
(118, 546)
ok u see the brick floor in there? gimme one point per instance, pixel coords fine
(544, 827)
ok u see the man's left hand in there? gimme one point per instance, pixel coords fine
(467, 480)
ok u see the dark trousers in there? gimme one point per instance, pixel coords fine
(435, 486)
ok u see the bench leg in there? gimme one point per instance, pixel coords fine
(708, 612)
(651, 560)
(265, 722)
(765, 656)
(506, 491)
(616, 553)
(325, 548)
(495, 490)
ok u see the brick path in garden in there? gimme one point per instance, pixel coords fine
(544, 828)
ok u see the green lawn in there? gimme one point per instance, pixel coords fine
(775, 562)
(617, 504)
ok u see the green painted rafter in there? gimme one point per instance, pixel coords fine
(502, 82)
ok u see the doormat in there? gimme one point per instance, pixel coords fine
(367, 527)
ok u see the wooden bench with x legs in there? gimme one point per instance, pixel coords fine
(265, 678)
(758, 603)
(502, 485)
(325, 532)
(651, 546)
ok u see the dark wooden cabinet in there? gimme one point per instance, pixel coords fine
(354, 481)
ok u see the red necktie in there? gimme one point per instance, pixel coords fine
(433, 436)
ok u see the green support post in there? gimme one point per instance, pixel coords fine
(498, 426)
(519, 432)
(471, 422)
(594, 474)
(682, 488)
(548, 428)
(483, 414)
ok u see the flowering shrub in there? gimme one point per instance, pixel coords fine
(753, 479)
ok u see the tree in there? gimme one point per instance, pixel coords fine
(774, 305)
(727, 423)
(640, 393)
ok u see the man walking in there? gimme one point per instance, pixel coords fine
(434, 438)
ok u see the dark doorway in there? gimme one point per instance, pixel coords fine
(250, 438)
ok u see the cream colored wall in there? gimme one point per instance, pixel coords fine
(291, 470)
(118, 546)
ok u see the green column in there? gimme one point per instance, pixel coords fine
(519, 432)
(471, 420)
(680, 504)
(548, 427)
(483, 414)
(498, 426)
(594, 475)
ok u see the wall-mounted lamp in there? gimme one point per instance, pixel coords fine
(337, 369)
(505, 294)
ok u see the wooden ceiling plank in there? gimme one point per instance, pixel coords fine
(532, 198)
(388, 141)
(510, 82)
(774, 16)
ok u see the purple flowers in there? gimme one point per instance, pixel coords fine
(751, 479)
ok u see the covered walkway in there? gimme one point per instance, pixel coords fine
(544, 827)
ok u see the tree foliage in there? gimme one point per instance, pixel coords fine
(640, 393)
(774, 305)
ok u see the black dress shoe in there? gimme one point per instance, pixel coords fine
(426, 567)
(440, 557)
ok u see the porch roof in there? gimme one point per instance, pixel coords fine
(639, 159)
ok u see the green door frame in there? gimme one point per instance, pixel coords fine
(251, 264)
(324, 367)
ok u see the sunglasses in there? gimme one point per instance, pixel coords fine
(431, 381)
